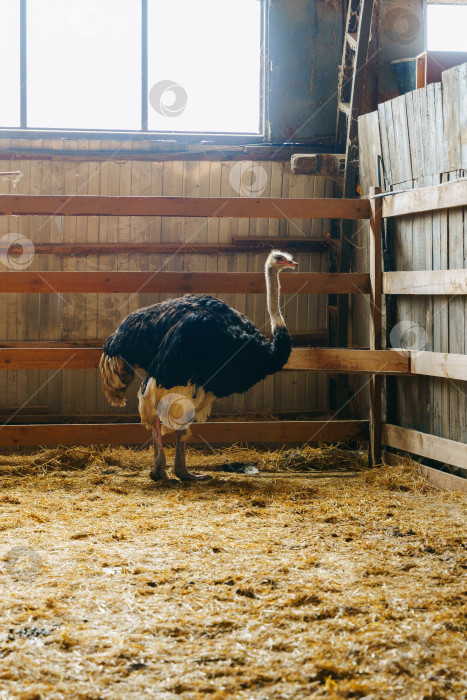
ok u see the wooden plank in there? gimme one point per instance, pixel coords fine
(376, 318)
(238, 245)
(132, 433)
(440, 364)
(403, 171)
(445, 196)
(451, 117)
(429, 446)
(316, 359)
(443, 480)
(347, 360)
(447, 282)
(181, 282)
(218, 207)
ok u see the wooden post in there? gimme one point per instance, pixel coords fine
(376, 326)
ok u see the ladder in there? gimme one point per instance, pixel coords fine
(354, 99)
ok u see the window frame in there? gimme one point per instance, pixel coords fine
(142, 134)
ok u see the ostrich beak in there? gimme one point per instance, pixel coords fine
(292, 264)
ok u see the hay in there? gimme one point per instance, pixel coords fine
(245, 587)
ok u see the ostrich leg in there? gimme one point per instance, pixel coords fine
(180, 462)
(158, 472)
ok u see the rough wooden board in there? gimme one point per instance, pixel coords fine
(250, 245)
(218, 207)
(131, 433)
(445, 282)
(443, 480)
(429, 446)
(181, 282)
(315, 359)
(445, 196)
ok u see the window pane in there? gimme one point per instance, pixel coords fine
(84, 64)
(9, 64)
(447, 28)
(204, 65)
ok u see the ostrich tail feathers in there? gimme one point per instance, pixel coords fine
(117, 376)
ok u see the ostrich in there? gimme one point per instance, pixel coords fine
(194, 349)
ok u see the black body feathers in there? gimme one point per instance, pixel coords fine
(198, 339)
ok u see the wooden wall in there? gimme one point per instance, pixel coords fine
(91, 317)
(422, 138)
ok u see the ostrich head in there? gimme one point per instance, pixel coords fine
(277, 260)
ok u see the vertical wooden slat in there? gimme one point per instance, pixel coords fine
(376, 300)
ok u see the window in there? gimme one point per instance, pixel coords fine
(10, 80)
(447, 27)
(128, 65)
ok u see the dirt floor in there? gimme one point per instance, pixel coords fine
(279, 585)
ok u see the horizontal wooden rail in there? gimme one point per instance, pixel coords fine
(442, 480)
(427, 282)
(73, 355)
(425, 199)
(425, 445)
(133, 433)
(330, 360)
(219, 207)
(239, 245)
(348, 360)
(181, 282)
(439, 364)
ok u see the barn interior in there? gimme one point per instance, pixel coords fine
(149, 150)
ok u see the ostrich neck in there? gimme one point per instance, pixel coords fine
(273, 299)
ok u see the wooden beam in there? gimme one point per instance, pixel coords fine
(181, 282)
(427, 282)
(316, 359)
(376, 321)
(425, 445)
(304, 245)
(239, 245)
(445, 196)
(219, 207)
(439, 364)
(348, 360)
(132, 433)
(443, 480)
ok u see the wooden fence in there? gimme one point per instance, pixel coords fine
(375, 361)
(421, 138)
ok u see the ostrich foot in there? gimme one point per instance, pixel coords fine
(189, 476)
(180, 462)
(158, 473)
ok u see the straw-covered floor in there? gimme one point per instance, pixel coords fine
(291, 584)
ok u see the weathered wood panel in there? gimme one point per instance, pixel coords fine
(78, 317)
(434, 244)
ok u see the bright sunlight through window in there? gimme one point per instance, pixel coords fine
(204, 65)
(447, 27)
(86, 65)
